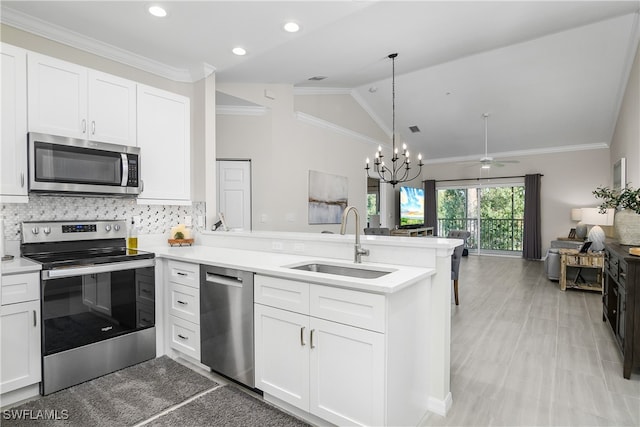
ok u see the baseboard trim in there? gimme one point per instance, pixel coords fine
(440, 407)
(21, 395)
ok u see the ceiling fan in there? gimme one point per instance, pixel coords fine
(486, 162)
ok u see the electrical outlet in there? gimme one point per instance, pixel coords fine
(188, 221)
(200, 221)
(137, 220)
(277, 246)
(298, 247)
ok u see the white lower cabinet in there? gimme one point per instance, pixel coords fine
(332, 370)
(20, 332)
(183, 299)
(282, 354)
(347, 374)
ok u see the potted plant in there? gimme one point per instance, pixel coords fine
(626, 202)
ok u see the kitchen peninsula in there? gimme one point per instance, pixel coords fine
(380, 353)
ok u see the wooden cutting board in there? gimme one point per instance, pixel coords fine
(634, 251)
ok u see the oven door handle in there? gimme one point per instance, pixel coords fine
(94, 269)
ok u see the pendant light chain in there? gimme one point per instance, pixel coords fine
(395, 173)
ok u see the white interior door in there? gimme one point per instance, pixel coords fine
(234, 193)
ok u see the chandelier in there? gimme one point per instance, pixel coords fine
(399, 169)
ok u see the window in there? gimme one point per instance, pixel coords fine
(493, 214)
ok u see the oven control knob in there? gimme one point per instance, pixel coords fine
(116, 227)
(107, 228)
(35, 230)
(46, 230)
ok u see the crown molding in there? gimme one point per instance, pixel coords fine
(241, 110)
(344, 91)
(315, 121)
(202, 72)
(522, 153)
(58, 34)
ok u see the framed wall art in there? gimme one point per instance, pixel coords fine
(327, 197)
(620, 174)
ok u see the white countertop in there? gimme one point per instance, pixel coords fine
(274, 264)
(19, 265)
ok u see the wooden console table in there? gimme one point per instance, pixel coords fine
(578, 261)
(413, 232)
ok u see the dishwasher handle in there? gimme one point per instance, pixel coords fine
(218, 279)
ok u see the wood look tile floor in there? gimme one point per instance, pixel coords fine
(524, 353)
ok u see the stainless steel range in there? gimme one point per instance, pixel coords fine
(97, 299)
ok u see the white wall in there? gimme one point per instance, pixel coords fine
(626, 138)
(569, 178)
(284, 148)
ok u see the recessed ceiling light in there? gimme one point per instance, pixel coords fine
(239, 51)
(157, 11)
(291, 27)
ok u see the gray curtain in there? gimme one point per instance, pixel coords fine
(430, 205)
(532, 240)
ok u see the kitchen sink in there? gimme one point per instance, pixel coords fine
(342, 270)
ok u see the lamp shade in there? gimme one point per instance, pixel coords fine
(576, 214)
(592, 216)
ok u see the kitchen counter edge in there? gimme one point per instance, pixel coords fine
(275, 265)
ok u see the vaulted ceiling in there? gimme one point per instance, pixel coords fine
(550, 74)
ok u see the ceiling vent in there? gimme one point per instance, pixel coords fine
(317, 78)
(414, 129)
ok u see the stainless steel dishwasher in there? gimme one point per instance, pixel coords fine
(226, 322)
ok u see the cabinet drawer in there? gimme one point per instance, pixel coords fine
(184, 302)
(20, 288)
(281, 293)
(361, 309)
(622, 273)
(185, 337)
(613, 267)
(184, 273)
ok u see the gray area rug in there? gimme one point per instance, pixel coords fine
(123, 398)
(226, 406)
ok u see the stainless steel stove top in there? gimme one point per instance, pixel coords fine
(62, 244)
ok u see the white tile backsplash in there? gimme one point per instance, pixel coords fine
(155, 219)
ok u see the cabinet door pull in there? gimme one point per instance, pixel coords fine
(311, 335)
(182, 337)
(623, 275)
(302, 342)
(182, 302)
(179, 273)
(21, 179)
(35, 319)
(84, 125)
(146, 291)
(93, 127)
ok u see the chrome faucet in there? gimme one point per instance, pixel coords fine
(343, 226)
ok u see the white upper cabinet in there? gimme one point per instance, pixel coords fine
(13, 147)
(70, 100)
(164, 141)
(112, 109)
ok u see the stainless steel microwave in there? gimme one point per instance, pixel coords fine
(66, 165)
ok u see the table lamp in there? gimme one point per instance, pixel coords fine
(581, 227)
(592, 216)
